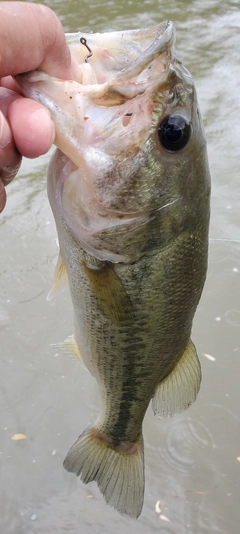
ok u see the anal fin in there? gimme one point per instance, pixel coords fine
(70, 348)
(180, 388)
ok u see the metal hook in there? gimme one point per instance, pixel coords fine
(84, 42)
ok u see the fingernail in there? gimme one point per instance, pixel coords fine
(5, 132)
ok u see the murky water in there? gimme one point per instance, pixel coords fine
(192, 460)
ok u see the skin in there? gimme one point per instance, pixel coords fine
(31, 37)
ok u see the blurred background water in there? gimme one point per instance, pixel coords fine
(193, 459)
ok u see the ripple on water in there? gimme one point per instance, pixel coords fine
(180, 442)
(233, 317)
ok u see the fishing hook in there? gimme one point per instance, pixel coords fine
(84, 42)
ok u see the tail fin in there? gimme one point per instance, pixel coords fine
(118, 470)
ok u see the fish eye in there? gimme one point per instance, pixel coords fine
(174, 132)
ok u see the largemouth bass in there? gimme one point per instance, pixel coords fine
(129, 190)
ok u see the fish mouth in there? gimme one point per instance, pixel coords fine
(117, 73)
(122, 56)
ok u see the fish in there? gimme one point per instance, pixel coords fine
(129, 187)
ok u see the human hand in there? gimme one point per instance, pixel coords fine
(31, 37)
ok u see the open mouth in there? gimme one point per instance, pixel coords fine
(118, 57)
(117, 74)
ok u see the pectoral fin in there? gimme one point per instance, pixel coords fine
(111, 297)
(70, 348)
(180, 388)
(59, 279)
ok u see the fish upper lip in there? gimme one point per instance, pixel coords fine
(163, 42)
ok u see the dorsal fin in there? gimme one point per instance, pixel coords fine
(180, 388)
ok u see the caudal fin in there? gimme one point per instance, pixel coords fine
(118, 470)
